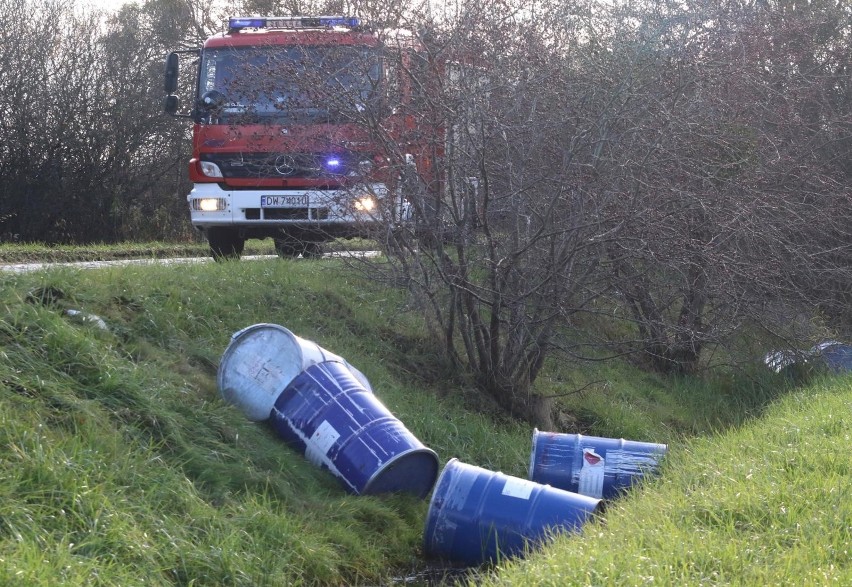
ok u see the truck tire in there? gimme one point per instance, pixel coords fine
(287, 248)
(292, 248)
(225, 243)
(313, 250)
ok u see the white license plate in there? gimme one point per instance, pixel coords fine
(284, 201)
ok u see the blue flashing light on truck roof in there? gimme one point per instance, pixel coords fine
(292, 22)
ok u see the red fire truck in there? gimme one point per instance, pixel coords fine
(285, 141)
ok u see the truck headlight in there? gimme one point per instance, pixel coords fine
(210, 169)
(365, 204)
(208, 204)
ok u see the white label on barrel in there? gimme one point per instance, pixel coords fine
(324, 437)
(592, 474)
(520, 488)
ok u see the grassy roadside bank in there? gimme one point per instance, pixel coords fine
(37, 252)
(123, 466)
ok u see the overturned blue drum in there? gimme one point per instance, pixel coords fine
(477, 516)
(261, 360)
(591, 465)
(340, 425)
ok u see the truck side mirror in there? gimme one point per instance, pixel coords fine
(171, 103)
(170, 77)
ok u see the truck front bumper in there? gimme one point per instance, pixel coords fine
(359, 207)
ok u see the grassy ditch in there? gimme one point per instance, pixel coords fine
(122, 466)
(766, 504)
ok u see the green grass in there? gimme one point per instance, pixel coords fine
(122, 466)
(601, 397)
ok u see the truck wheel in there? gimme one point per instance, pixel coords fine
(287, 248)
(225, 243)
(313, 250)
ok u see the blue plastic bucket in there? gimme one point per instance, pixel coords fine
(590, 465)
(478, 516)
(261, 360)
(340, 425)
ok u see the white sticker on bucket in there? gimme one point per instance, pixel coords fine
(266, 375)
(520, 488)
(592, 474)
(324, 438)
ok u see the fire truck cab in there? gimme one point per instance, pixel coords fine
(282, 145)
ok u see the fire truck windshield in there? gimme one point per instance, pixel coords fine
(286, 84)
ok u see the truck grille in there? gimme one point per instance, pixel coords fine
(287, 214)
(284, 165)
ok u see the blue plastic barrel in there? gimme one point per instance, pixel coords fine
(261, 360)
(478, 516)
(340, 425)
(591, 465)
(836, 355)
